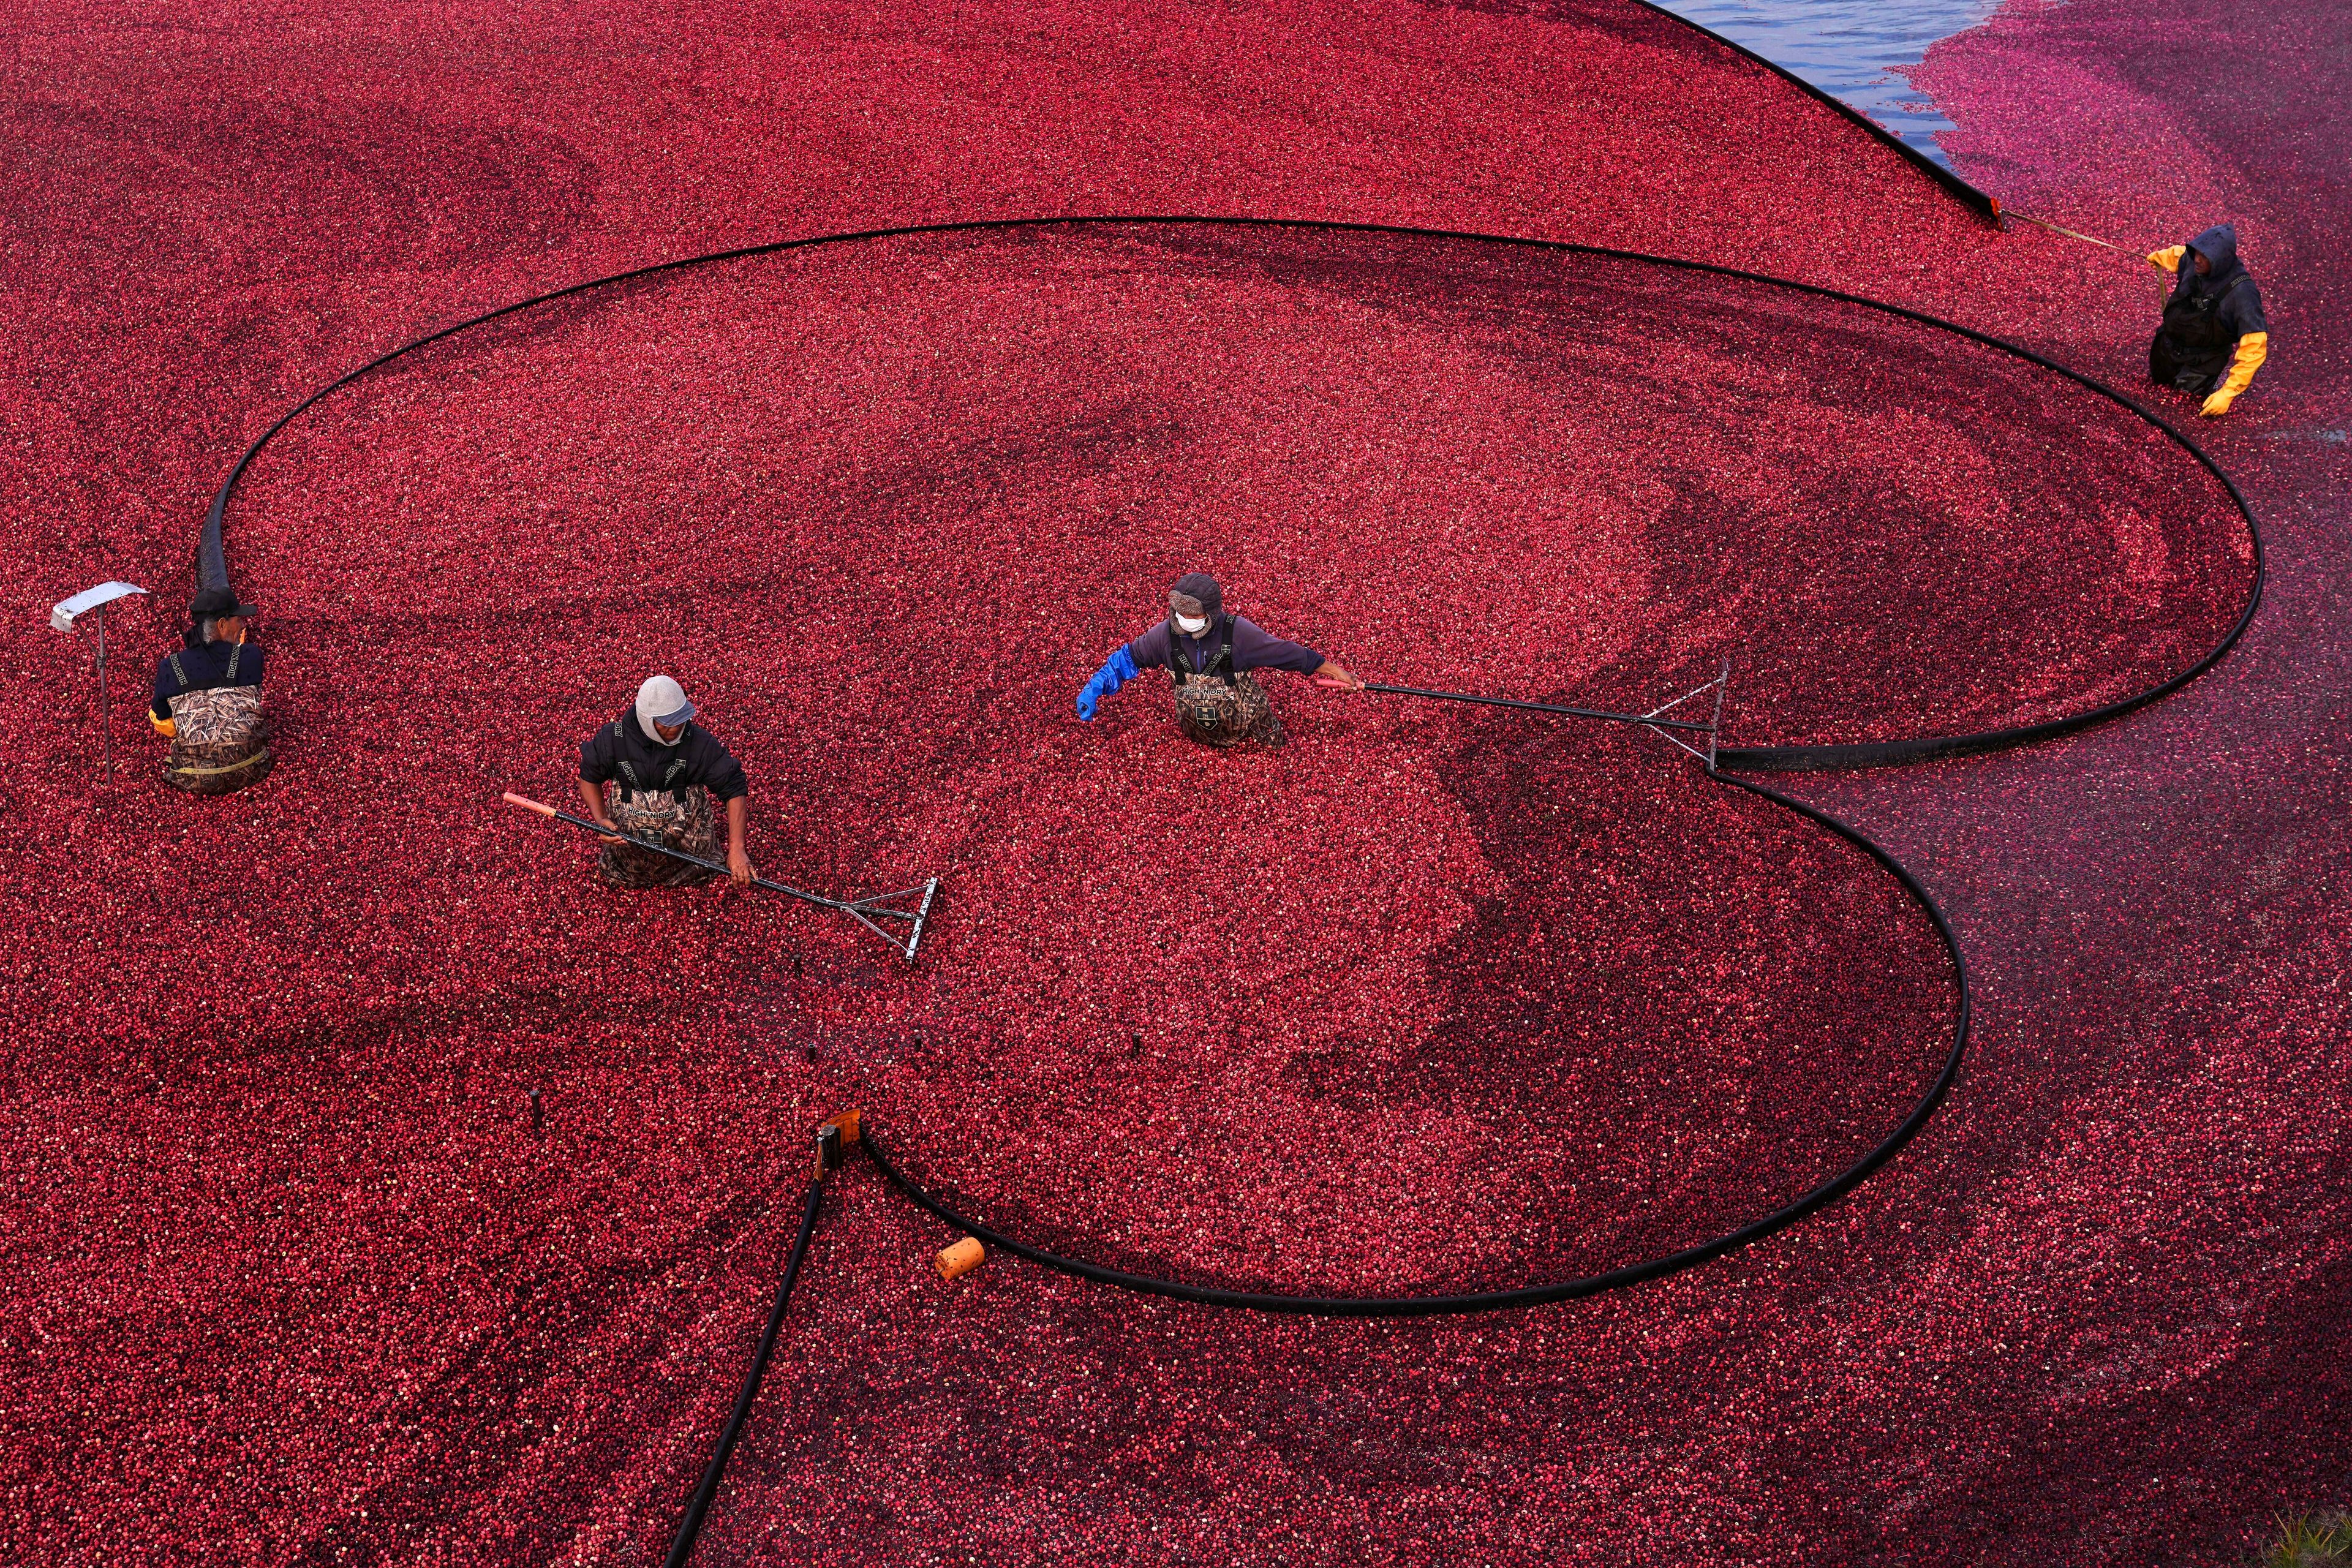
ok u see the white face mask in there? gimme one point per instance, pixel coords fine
(1191, 628)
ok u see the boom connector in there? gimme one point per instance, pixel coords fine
(1654, 721)
(835, 1134)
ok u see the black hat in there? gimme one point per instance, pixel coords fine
(211, 603)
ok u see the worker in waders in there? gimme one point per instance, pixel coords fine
(208, 700)
(1208, 656)
(2213, 338)
(651, 773)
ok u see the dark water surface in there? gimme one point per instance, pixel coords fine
(1850, 48)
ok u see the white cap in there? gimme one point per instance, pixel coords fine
(662, 701)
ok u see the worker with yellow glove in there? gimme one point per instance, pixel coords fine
(2213, 338)
(208, 700)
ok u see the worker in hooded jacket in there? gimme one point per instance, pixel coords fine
(2213, 337)
(1209, 655)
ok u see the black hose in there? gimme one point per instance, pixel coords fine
(1818, 1197)
(681, 1547)
(212, 557)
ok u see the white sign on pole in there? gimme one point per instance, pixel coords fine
(65, 612)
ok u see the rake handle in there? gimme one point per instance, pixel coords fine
(1536, 706)
(603, 831)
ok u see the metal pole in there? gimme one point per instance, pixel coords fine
(805, 896)
(1722, 684)
(857, 910)
(104, 729)
(1536, 706)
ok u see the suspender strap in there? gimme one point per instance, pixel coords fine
(1221, 664)
(639, 786)
(228, 675)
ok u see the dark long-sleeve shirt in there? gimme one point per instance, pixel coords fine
(621, 751)
(206, 665)
(1253, 648)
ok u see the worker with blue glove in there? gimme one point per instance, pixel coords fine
(1208, 654)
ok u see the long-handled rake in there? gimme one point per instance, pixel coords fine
(865, 912)
(1655, 720)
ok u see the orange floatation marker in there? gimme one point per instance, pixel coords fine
(955, 1262)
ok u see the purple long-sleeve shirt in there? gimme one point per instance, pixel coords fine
(1254, 648)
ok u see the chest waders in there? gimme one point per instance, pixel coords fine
(682, 818)
(2193, 345)
(1218, 705)
(220, 740)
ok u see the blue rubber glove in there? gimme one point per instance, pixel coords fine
(1116, 672)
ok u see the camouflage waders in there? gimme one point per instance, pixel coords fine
(679, 818)
(1216, 714)
(220, 737)
(1221, 705)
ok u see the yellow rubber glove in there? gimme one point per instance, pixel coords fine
(2252, 349)
(167, 728)
(2168, 258)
